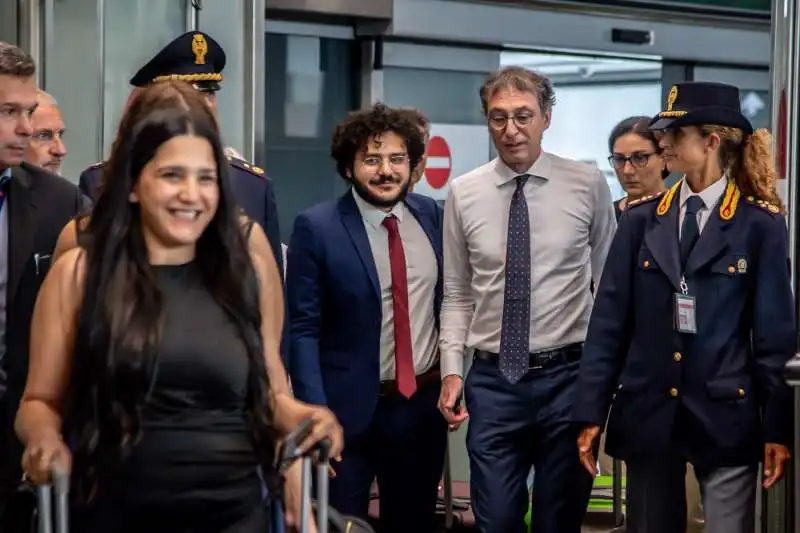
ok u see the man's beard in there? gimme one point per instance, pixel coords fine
(372, 199)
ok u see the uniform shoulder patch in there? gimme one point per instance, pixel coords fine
(763, 204)
(244, 165)
(645, 199)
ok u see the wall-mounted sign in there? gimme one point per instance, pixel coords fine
(453, 150)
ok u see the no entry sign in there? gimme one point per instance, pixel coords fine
(439, 164)
(454, 149)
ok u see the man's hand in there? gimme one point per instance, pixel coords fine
(775, 457)
(450, 402)
(585, 448)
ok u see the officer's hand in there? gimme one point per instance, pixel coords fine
(450, 402)
(775, 457)
(585, 448)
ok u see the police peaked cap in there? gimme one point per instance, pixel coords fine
(194, 57)
(698, 103)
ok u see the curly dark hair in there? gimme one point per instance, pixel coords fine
(352, 135)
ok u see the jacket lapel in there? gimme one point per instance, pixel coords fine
(22, 221)
(712, 240)
(354, 224)
(662, 237)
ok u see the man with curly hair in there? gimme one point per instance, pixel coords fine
(364, 288)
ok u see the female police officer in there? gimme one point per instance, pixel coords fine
(692, 324)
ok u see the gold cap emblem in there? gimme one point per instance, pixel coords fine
(199, 49)
(673, 95)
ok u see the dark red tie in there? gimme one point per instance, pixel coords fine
(403, 354)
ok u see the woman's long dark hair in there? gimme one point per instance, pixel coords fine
(121, 317)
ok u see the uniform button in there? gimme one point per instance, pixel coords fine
(731, 269)
(677, 356)
(741, 392)
(646, 264)
(673, 392)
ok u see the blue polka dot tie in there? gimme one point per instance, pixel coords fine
(515, 333)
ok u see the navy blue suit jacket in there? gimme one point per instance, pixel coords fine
(718, 395)
(253, 191)
(335, 306)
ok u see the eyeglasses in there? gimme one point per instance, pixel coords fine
(395, 160)
(500, 122)
(637, 160)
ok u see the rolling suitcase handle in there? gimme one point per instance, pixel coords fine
(60, 483)
(323, 452)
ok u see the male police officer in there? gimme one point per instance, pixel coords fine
(198, 59)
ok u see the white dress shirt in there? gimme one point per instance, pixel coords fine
(422, 273)
(710, 196)
(572, 224)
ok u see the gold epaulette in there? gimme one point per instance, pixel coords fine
(766, 206)
(644, 199)
(244, 165)
(666, 199)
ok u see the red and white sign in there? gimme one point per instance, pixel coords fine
(439, 163)
(452, 151)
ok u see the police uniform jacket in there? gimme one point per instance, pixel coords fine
(251, 187)
(718, 394)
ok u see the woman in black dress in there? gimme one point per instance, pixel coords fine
(155, 343)
(636, 159)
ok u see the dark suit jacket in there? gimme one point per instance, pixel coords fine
(39, 205)
(717, 394)
(335, 306)
(253, 191)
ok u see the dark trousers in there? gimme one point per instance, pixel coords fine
(514, 427)
(404, 449)
(657, 496)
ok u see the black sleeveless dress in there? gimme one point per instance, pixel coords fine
(194, 469)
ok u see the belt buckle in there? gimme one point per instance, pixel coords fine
(534, 366)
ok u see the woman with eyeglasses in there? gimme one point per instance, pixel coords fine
(636, 159)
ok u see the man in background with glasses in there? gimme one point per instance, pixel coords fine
(47, 148)
(524, 236)
(364, 289)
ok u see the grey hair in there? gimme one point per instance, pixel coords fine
(521, 79)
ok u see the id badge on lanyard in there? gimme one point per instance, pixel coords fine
(685, 310)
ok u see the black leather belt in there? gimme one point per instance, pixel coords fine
(433, 375)
(560, 356)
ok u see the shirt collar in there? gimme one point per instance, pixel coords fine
(374, 216)
(710, 195)
(541, 168)
(5, 174)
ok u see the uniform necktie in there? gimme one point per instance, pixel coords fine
(690, 231)
(515, 333)
(403, 355)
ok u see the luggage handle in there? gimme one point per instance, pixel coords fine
(60, 482)
(322, 450)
